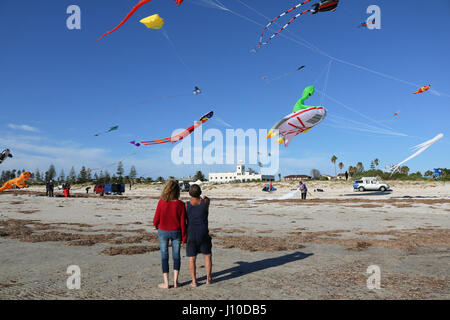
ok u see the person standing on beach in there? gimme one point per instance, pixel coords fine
(170, 221)
(51, 187)
(198, 239)
(303, 190)
(346, 175)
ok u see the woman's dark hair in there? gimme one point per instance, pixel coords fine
(195, 191)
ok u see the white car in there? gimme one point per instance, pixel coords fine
(370, 184)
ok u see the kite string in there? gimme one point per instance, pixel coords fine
(314, 48)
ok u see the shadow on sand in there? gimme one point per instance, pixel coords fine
(244, 268)
(365, 193)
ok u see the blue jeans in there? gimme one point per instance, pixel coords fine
(163, 238)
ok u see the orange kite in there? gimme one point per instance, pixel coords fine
(423, 89)
(18, 182)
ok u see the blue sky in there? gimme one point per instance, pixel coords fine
(59, 87)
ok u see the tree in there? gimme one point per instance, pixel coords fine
(341, 166)
(372, 166)
(120, 171)
(88, 175)
(315, 174)
(333, 160)
(160, 179)
(351, 170)
(37, 176)
(199, 176)
(376, 162)
(359, 167)
(51, 173)
(72, 176)
(82, 177)
(62, 176)
(428, 173)
(279, 176)
(404, 170)
(106, 177)
(133, 173)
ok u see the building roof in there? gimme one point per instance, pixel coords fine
(297, 176)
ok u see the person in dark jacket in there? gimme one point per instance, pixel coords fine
(198, 238)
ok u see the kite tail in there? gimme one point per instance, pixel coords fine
(136, 7)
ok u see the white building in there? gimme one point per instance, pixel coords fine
(239, 175)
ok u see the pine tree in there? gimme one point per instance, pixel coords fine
(72, 176)
(50, 174)
(37, 176)
(107, 177)
(133, 173)
(82, 177)
(119, 173)
(199, 176)
(62, 176)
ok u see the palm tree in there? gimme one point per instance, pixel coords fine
(341, 166)
(376, 162)
(359, 167)
(333, 160)
(351, 170)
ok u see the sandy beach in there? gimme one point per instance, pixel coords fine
(319, 248)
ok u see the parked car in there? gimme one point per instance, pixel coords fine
(370, 184)
(184, 186)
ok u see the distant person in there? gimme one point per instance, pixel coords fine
(346, 175)
(170, 221)
(49, 186)
(198, 238)
(87, 189)
(303, 190)
(66, 190)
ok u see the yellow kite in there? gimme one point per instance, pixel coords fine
(153, 22)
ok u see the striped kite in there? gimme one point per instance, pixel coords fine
(423, 89)
(324, 5)
(183, 134)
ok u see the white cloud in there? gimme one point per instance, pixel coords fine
(23, 127)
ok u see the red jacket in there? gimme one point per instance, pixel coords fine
(171, 216)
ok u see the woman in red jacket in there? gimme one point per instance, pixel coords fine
(170, 221)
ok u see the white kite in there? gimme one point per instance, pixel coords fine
(420, 148)
(290, 195)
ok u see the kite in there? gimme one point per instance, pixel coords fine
(322, 6)
(153, 22)
(423, 89)
(289, 195)
(137, 144)
(365, 23)
(5, 154)
(396, 114)
(179, 136)
(197, 91)
(420, 148)
(135, 8)
(18, 182)
(284, 74)
(109, 130)
(302, 119)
